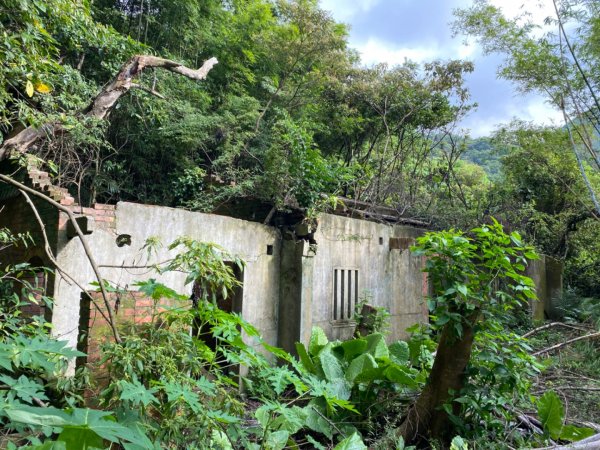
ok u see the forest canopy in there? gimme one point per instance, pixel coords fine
(290, 117)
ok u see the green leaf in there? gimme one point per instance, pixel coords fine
(551, 412)
(400, 375)
(280, 378)
(80, 438)
(330, 364)
(318, 340)
(376, 346)
(458, 443)
(353, 442)
(32, 415)
(316, 422)
(137, 393)
(219, 440)
(316, 445)
(353, 347)
(24, 388)
(158, 291)
(399, 352)
(47, 445)
(360, 365)
(277, 440)
(573, 433)
(305, 358)
(263, 414)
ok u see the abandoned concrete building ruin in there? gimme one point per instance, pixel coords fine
(289, 284)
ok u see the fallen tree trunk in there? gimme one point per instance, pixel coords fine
(591, 443)
(104, 102)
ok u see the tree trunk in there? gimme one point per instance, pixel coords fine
(427, 418)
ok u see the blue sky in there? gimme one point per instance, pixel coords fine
(419, 30)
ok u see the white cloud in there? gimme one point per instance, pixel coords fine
(344, 10)
(531, 108)
(536, 10)
(375, 51)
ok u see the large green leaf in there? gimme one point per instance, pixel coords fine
(376, 346)
(551, 413)
(360, 365)
(318, 340)
(80, 438)
(305, 358)
(399, 352)
(573, 433)
(353, 442)
(316, 421)
(31, 415)
(353, 347)
(331, 366)
(277, 440)
(401, 375)
(90, 421)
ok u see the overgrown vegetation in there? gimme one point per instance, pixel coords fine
(290, 119)
(167, 388)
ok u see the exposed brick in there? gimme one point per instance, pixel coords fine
(105, 219)
(101, 206)
(67, 201)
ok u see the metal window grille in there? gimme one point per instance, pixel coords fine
(345, 293)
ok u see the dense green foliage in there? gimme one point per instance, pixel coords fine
(286, 115)
(290, 116)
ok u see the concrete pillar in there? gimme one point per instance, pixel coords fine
(536, 270)
(295, 299)
(554, 286)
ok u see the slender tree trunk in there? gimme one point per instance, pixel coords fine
(427, 418)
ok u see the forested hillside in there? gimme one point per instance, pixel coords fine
(203, 104)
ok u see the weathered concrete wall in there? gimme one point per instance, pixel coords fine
(247, 240)
(536, 270)
(388, 274)
(547, 275)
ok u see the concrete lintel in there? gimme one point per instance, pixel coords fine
(87, 224)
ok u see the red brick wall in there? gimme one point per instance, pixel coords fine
(133, 308)
(104, 215)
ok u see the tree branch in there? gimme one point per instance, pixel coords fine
(104, 102)
(552, 325)
(570, 341)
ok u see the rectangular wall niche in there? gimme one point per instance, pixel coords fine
(345, 293)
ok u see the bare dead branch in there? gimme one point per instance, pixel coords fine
(570, 341)
(148, 90)
(104, 102)
(552, 325)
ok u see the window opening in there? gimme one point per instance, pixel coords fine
(345, 293)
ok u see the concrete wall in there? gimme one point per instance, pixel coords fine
(547, 274)
(288, 284)
(388, 274)
(244, 239)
